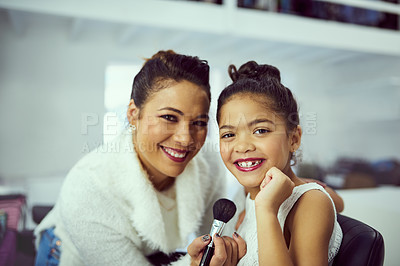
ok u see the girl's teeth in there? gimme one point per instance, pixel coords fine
(248, 164)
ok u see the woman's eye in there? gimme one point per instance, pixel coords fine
(170, 118)
(200, 123)
(261, 131)
(227, 135)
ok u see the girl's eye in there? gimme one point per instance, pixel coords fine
(227, 135)
(261, 131)
(170, 118)
(200, 123)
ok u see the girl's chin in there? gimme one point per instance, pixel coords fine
(250, 185)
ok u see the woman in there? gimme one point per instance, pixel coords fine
(136, 200)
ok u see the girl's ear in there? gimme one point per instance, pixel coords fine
(295, 138)
(132, 113)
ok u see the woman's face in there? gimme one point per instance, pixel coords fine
(252, 140)
(171, 129)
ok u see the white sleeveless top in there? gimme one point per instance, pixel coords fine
(248, 228)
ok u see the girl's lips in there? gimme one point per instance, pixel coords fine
(175, 154)
(249, 164)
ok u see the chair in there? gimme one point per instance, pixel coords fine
(39, 212)
(361, 245)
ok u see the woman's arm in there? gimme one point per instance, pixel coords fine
(99, 235)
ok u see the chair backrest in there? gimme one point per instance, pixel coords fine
(361, 244)
(39, 212)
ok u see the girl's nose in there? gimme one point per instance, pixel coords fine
(243, 146)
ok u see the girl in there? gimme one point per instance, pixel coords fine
(287, 221)
(136, 200)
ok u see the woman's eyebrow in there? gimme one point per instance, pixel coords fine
(172, 109)
(203, 116)
(181, 113)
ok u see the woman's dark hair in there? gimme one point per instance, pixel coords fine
(265, 81)
(166, 67)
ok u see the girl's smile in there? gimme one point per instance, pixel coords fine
(248, 164)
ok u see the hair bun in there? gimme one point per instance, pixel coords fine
(252, 70)
(162, 55)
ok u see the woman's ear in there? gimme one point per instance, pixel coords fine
(132, 113)
(295, 138)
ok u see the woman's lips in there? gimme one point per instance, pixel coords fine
(175, 154)
(249, 164)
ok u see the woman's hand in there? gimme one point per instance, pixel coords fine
(228, 251)
(274, 190)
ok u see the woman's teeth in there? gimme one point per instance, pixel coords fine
(245, 164)
(174, 153)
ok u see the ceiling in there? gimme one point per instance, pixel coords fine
(237, 40)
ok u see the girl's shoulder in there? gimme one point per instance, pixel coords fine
(313, 207)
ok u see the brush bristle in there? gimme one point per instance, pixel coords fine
(224, 210)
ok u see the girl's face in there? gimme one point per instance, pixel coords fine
(171, 129)
(252, 140)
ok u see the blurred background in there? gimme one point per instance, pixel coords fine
(66, 69)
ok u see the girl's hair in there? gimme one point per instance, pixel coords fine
(265, 82)
(163, 69)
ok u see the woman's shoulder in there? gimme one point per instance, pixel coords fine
(109, 155)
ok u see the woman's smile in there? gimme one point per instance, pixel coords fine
(175, 154)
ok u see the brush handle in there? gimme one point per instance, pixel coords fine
(207, 255)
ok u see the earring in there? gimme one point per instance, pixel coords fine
(132, 127)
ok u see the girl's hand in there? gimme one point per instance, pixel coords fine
(274, 190)
(228, 251)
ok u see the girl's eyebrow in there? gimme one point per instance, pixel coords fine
(226, 127)
(258, 121)
(250, 124)
(181, 113)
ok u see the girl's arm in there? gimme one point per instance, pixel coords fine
(309, 223)
(275, 188)
(272, 248)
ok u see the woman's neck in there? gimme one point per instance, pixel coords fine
(162, 184)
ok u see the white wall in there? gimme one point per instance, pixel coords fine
(46, 84)
(49, 82)
(357, 110)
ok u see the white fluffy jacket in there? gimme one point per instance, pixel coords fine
(108, 212)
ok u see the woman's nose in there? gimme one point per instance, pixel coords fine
(183, 135)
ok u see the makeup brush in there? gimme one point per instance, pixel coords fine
(223, 211)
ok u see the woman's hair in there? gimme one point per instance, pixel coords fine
(265, 82)
(165, 68)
